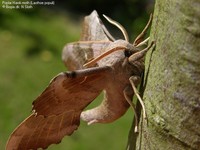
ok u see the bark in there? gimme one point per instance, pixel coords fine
(172, 80)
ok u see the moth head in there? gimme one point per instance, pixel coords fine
(130, 50)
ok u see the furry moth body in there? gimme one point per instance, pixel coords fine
(98, 63)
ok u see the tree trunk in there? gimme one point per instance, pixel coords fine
(172, 80)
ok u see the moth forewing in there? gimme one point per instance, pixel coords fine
(93, 29)
(94, 38)
(75, 55)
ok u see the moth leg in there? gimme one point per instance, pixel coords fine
(110, 37)
(142, 34)
(119, 26)
(133, 80)
(143, 42)
(140, 54)
(128, 98)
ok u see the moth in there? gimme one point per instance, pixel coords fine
(98, 62)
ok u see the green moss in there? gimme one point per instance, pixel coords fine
(172, 77)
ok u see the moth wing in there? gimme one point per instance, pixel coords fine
(57, 111)
(93, 29)
(93, 40)
(39, 131)
(75, 55)
(66, 93)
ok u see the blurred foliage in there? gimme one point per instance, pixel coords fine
(39, 28)
(132, 14)
(31, 42)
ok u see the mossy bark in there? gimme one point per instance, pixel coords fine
(172, 80)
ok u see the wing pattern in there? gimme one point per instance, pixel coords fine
(39, 131)
(56, 111)
(93, 29)
(93, 40)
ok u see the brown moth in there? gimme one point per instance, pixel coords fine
(98, 63)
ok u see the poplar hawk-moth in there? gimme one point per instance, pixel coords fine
(98, 62)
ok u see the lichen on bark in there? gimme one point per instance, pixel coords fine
(172, 79)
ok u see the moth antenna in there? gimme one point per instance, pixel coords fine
(93, 61)
(119, 26)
